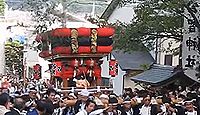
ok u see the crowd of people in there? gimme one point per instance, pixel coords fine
(33, 101)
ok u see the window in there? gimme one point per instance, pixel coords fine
(168, 59)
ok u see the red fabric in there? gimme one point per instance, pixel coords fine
(97, 72)
(84, 32)
(113, 68)
(37, 71)
(68, 72)
(61, 50)
(83, 70)
(84, 49)
(61, 32)
(104, 49)
(105, 32)
(75, 63)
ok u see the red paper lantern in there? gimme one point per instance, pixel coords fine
(105, 32)
(37, 71)
(113, 68)
(84, 32)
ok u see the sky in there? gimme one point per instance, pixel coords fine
(76, 7)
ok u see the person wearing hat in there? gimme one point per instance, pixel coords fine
(189, 107)
(82, 98)
(113, 105)
(126, 108)
(104, 99)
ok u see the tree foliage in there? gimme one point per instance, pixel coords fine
(2, 6)
(14, 57)
(153, 19)
(43, 13)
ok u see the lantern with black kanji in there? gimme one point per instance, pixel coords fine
(113, 68)
(56, 69)
(37, 71)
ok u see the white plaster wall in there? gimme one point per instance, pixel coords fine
(117, 80)
(123, 14)
(128, 82)
(2, 42)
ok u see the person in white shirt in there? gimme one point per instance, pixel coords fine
(146, 107)
(189, 107)
(5, 103)
(89, 107)
(82, 98)
(161, 105)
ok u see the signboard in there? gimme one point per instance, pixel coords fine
(191, 36)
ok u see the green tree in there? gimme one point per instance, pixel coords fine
(43, 13)
(14, 57)
(153, 20)
(2, 7)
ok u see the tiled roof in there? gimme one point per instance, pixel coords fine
(158, 74)
(155, 74)
(133, 60)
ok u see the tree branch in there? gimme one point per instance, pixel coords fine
(176, 37)
(196, 22)
(177, 11)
